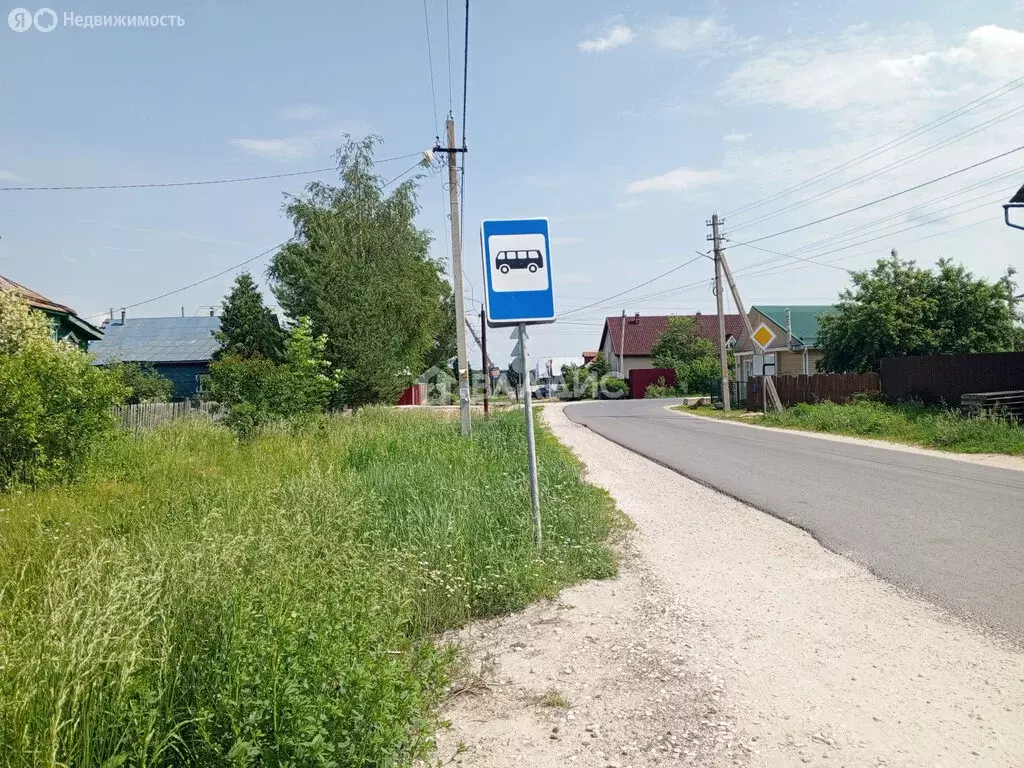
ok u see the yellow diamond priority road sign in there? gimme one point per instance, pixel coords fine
(763, 335)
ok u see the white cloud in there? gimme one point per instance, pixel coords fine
(867, 78)
(276, 149)
(301, 112)
(614, 36)
(694, 35)
(9, 175)
(734, 137)
(319, 142)
(679, 178)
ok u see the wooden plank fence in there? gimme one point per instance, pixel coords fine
(833, 387)
(142, 416)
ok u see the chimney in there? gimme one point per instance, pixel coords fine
(636, 319)
(211, 311)
(182, 310)
(111, 314)
(122, 316)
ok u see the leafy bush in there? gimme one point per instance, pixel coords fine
(256, 390)
(612, 388)
(142, 383)
(196, 602)
(579, 383)
(699, 376)
(54, 404)
(660, 389)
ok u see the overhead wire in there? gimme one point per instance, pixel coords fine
(862, 206)
(961, 136)
(430, 64)
(939, 121)
(157, 185)
(635, 287)
(239, 265)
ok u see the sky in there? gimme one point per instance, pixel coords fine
(626, 125)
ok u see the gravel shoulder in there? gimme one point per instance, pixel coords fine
(729, 638)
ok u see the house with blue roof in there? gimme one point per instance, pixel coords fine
(790, 336)
(178, 348)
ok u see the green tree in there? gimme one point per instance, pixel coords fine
(142, 383)
(898, 308)
(54, 403)
(359, 268)
(680, 344)
(444, 346)
(600, 366)
(247, 326)
(255, 390)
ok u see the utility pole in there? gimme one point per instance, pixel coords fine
(460, 301)
(769, 383)
(622, 346)
(723, 354)
(486, 364)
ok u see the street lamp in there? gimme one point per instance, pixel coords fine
(1017, 201)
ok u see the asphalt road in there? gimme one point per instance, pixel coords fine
(948, 530)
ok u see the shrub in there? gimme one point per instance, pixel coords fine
(142, 384)
(699, 376)
(613, 388)
(660, 389)
(580, 383)
(255, 390)
(54, 404)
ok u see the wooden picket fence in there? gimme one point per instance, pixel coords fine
(833, 387)
(142, 416)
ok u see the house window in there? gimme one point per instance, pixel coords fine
(201, 382)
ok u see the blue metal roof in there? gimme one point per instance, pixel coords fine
(157, 340)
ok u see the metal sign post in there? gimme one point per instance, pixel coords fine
(517, 278)
(531, 444)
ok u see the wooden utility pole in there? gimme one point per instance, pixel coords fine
(723, 353)
(486, 364)
(460, 301)
(622, 346)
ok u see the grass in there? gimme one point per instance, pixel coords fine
(910, 423)
(193, 602)
(554, 699)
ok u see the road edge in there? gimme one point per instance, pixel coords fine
(993, 460)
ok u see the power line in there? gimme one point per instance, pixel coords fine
(448, 29)
(465, 76)
(958, 137)
(941, 120)
(430, 63)
(156, 185)
(233, 267)
(883, 199)
(630, 290)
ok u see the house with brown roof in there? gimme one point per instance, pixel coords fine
(640, 333)
(66, 324)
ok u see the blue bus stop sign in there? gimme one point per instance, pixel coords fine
(517, 270)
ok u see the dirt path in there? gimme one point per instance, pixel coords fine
(731, 638)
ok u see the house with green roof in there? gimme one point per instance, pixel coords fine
(789, 335)
(65, 323)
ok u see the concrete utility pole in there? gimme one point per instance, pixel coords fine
(723, 353)
(622, 346)
(769, 383)
(460, 301)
